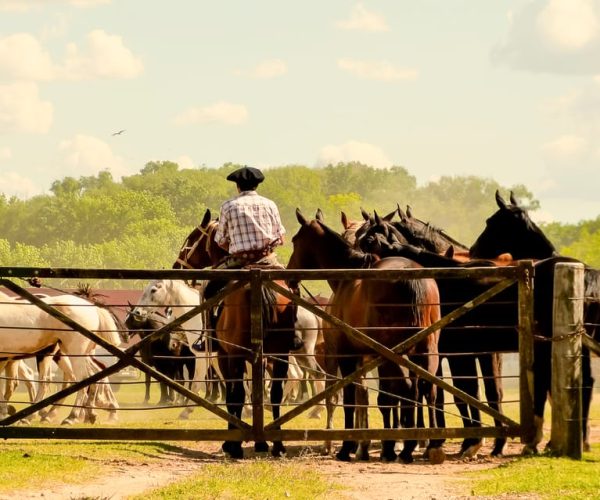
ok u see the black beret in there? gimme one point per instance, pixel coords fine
(246, 175)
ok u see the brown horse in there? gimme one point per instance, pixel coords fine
(232, 331)
(383, 308)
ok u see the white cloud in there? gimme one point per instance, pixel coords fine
(362, 19)
(185, 161)
(376, 70)
(270, 68)
(25, 5)
(220, 112)
(22, 57)
(5, 153)
(87, 155)
(568, 24)
(105, 56)
(13, 184)
(566, 146)
(353, 151)
(22, 110)
(553, 36)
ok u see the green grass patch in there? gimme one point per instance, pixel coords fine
(35, 464)
(21, 469)
(550, 478)
(256, 479)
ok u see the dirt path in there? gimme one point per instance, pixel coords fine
(374, 479)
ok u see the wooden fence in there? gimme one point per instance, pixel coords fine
(259, 430)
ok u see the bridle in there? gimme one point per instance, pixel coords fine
(205, 232)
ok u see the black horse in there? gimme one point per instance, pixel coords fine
(510, 229)
(498, 316)
(159, 353)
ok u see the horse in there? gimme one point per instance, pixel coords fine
(26, 330)
(200, 250)
(510, 229)
(181, 297)
(308, 327)
(381, 238)
(157, 352)
(381, 307)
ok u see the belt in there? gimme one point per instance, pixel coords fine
(253, 254)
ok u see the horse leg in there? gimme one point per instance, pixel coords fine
(437, 415)
(147, 382)
(464, 371)
(388, 406)
(233, 370)
(491, 369)
(196, 368)
(361, 418)
(280, 369)
(586, 396)
(435, 452)
(541, 389)
(408, 418)
(347, 366)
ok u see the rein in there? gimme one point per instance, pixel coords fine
(207, 232)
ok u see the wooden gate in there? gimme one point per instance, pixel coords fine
(522, 275)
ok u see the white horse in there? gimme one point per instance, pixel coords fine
(25, 330)
(303, 364)
(159, 294)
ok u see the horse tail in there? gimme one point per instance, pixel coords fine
(107, 326)
(426, 296)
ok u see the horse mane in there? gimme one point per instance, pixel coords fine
(365, 259)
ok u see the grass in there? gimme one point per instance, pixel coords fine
(549, 478)
(256, 479)
(36, 464)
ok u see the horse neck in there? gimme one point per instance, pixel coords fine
(184, 297)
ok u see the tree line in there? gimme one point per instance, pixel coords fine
(141, 221)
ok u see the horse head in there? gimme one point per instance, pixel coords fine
(511, 230)
(200, 250)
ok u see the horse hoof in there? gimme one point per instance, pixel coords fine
(11, 410)
(67, 421)
(587, 447)
(278, 450)
(406, 458)
(436, 456)
(261, 447)
(470, 451)
(232, 450)
(363, 456)
(529, 450)
(388, 457)
(343, 456)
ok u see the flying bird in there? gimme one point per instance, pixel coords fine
(119, 132)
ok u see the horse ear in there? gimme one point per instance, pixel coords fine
(344, 220)
(513, 200)
(500, 201)
(389, 217)
(378, 220)
(409, 212)
(401, 213)
(206, 218)
(364, 214)
(319, 215)
(449, 252)
(301, 219)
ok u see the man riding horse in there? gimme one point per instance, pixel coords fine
(249, 224)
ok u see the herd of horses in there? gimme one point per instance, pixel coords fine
(383, 312)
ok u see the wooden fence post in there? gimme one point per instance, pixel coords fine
(257, 337)
(566, 435)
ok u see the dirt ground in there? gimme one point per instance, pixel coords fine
(360, 480)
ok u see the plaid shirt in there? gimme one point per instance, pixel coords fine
(249, 222)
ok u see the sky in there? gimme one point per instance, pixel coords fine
(502, 89)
